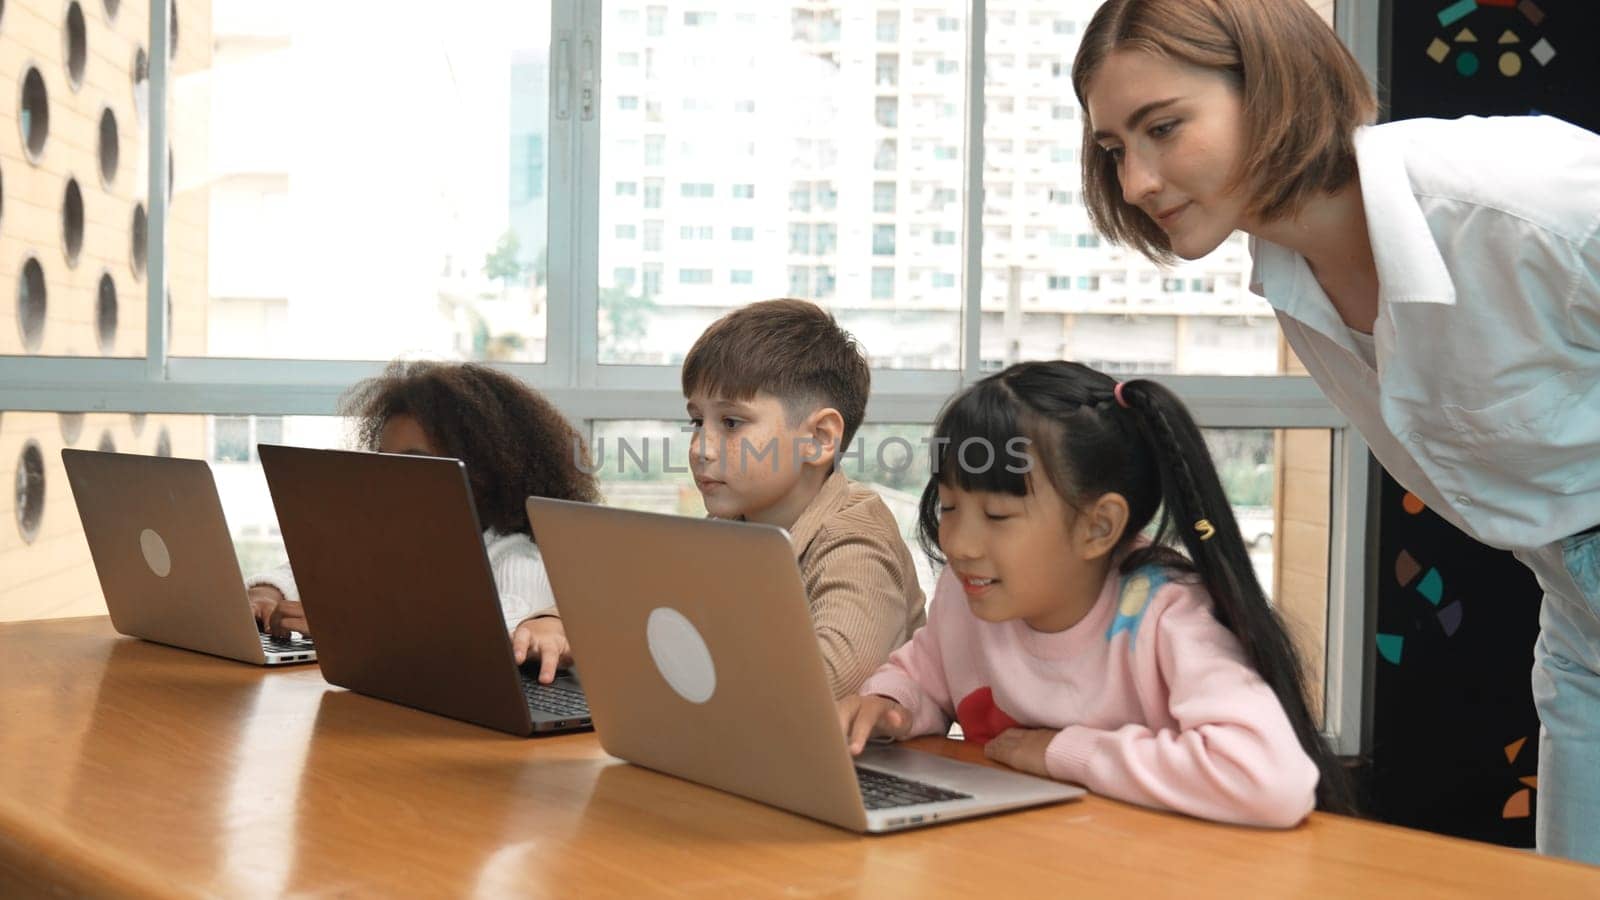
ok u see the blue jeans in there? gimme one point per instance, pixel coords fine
(1566, 691)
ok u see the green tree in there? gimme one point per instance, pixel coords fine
(504, 262)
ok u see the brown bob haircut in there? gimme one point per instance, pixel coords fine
(1303, 94)
(791, 349)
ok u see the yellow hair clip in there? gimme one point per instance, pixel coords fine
(1207, 531)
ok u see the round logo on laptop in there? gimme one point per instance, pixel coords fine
(155, 553)
(680, 654)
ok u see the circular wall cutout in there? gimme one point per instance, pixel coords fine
(164, 442)
(71, 427)
(76, 36)
(110, 149)
(141, 239)
(172, 29)
(136, 422)
(72, 221)
(30, 491)
(35, 117)
(31, 305)
(108, 444)
(141, 84)
(112, 7)
(105, 313)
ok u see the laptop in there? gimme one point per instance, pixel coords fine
(700, 661)
(389, 559)
(162, 549)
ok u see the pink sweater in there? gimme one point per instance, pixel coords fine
(1152, 696)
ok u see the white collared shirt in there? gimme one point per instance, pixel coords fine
(1485, 397)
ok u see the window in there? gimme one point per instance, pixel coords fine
(1060, 197)
(652, 235)
(742, 276)
(882, 283)
(1088, 241)
(799, 281)
(745, 107)
(655, 148)
(887, 156)
(1088, 282)
(888, 27)
(946, 67)
(627, 188)
(888, 70)
(744, 192)
(627, 232)
(827, 235)
(628, 102)
(883, 240)
(655, 21)
(652, 193)
(944, 280)
(651, 284)
(694, 276)
(800, 197)
(1059, 282)
(887, 112)
(700, 189)
(742, 233)
(825, 282)
(883, 197)
(695, 232)
(623, 276)
(693, 19)
(944, 238)
(949, 23)
(799, 237)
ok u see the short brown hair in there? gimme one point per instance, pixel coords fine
(791, 349)
(515, 443)
(1304, 95)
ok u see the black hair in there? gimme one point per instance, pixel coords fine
(1090, 438)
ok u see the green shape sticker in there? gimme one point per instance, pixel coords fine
(1432, 587)
(1467, 64)
(1389, 646)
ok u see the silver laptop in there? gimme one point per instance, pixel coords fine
(165, 558)
(700, 661)
(389, 559)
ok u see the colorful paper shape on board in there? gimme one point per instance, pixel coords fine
(1514, 748)
(1455, 12)
(1450, 619)
(1467, 64)
(1510, 64)
(1509, 37)
(1438, 50)
(1432, 586)
(1518, 806)
(1465, 36)
(1531, 11)
(1406, 568)
(1389, 647)
(1411, 503)
(1530, 780)
(1543, 52)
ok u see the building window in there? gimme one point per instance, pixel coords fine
(742, 276)
(1059, 283)
(800, 197)
(650, 285)
(883, 240)
(799, 237)
(652, 193)
(624, 276)
(944, 280)
(627, 232)
(744, 192)
(742, 233)
(694, 276)
(695, 18)
(627, 189)
(882, 283)
(888, 27)
(1088, 282)
(888, 112)
(694, 232)
(888, 70)
(827, 237)
(949, 23)
(655, 149)
(1088, 241)
(652, 236)
(1060, 197)
(799, 281)
(700, 189)
(944, 238)
(655, 21)
(627, 102)
(883, 197)
(887, 156)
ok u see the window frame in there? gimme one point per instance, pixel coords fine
(574, 379)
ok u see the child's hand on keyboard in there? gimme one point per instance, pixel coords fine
(872, 716)
(274, 614)
(545, 639)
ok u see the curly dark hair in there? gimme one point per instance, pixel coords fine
(514, 442)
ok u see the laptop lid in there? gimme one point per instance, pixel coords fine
(389, 559)
(698, 654)
(162, 551)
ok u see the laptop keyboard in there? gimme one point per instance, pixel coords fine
(285, 645)
(559, 699)
(880, 790)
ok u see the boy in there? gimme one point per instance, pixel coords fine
(776, 391)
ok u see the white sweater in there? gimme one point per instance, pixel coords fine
(518, 569)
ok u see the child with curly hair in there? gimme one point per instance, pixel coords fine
(515, 444)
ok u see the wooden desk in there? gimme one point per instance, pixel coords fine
(130, 768)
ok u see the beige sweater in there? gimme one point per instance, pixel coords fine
(859, 579)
